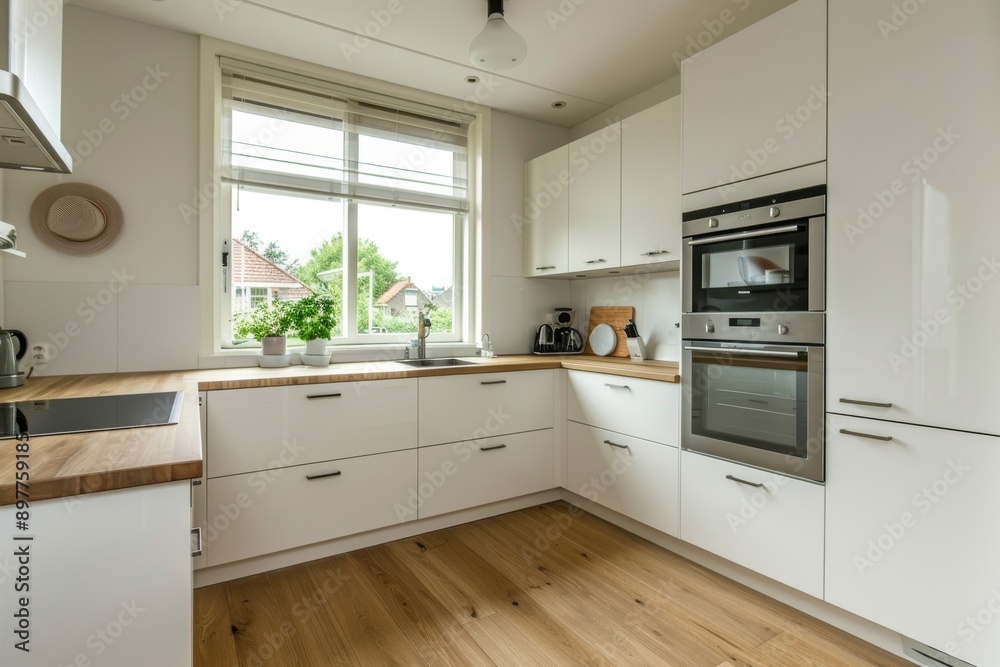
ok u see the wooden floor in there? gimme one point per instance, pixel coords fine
(551, 585)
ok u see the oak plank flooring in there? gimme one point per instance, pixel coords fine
(550, 585)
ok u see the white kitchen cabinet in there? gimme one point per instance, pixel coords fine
(913, 290)
(651, 185)
(912, 542)
(110, 579)
(467, 474)
(634, 477)
(264, 512)
(481, 405)
(646, 409)
(767, 522)
(259, 429)
(755, 102)
(595, 201)
(546, 213)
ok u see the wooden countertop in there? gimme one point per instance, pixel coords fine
(68, 465)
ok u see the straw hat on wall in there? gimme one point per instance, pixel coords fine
(76, 218)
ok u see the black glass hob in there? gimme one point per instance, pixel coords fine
(91, 413)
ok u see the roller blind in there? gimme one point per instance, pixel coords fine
(293, 133)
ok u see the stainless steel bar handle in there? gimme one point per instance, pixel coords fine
(595, 261)
(196, 551)
(617, 386)
(494, 382)
(756, 485)
(195, 482)
(744, 235)
(312, 396)
(746, 353)
(883, 438)
(615, 444)
(492, 447)
(654, 252)
(335, 473)
(544, 268)
(874, 404)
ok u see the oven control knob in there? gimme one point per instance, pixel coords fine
(774, 212)
(713, 223)
(709, 328)
(782, 329)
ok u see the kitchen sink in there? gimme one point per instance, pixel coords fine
(434, 363)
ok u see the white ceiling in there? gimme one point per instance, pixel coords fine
(591, 54)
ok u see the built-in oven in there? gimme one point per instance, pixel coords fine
(755, 403)
(757, 255)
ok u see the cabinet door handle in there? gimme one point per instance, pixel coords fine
(492, 447)
(617, 386)
(544, 268)
(874, 404)
(654, 252)
(883, 438)
(312, 396)
(595, 261)
(756, 485)
(615, 444)
(195, 482)
(493, 382)
(196, 550)
(324, 475)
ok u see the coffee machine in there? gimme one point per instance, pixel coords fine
(557, 335)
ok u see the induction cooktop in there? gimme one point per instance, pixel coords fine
(92, 413)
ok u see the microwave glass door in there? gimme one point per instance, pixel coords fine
(761, 273)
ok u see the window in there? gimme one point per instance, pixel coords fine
(334, 190)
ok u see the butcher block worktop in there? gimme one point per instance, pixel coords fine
(73, 464)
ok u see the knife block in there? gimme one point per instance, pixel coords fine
(636, 349)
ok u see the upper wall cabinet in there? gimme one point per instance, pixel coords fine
(913, 292)
(755, 103)
(595, 202)
(651, 185)
(546, 213)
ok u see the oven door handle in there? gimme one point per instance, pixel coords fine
(744, 235)
(738, 351)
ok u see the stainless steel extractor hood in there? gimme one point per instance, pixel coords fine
(30, 60)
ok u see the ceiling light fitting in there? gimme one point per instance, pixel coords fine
(497, 47)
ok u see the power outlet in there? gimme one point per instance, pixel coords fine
(41, 353)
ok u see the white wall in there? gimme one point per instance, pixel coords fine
(130, 119)
(517, 305)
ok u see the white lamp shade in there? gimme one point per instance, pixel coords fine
(498, 46)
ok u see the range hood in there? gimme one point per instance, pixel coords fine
(30, 83)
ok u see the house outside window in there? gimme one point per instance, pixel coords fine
(333, 190)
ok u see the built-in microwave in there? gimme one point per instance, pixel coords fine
(766, 254)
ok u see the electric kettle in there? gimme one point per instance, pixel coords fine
(544, 340)
(9, 377)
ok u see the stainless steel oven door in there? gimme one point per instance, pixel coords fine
(761, 405)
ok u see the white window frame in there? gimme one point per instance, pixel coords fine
(211, 206)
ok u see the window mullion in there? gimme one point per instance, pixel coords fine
(351, 239)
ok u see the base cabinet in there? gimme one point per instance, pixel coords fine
(264, 512)
(766, 522)
(110, 579)
(634, 477)
(912, 538)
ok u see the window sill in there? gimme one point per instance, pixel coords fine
(340, 354)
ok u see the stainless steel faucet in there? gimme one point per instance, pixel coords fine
(486, 346)
(423, 331)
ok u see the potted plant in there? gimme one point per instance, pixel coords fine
(313, 320)
(268, 323)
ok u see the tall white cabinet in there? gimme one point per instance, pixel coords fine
(595, 200)
(755, 103)
(913, 299)
(546, 213)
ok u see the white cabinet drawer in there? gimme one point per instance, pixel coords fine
(637, 478)
(260, 429)
(264, 512)
(776, 530)
(471, 407)
(647, 409)
(466, 474)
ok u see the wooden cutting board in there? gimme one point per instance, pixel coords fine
(615, 316)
